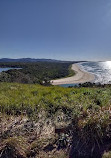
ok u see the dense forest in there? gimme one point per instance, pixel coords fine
(35, 72)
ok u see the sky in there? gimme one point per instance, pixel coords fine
(55, 29)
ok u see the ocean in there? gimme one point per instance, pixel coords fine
(101, 70)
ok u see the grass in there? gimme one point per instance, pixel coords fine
(88, 109)
(14, 147)
(22, 98)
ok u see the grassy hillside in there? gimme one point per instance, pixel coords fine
(81, 118)
(14, 97)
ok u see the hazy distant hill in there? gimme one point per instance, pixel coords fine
(35, 60)
(29, 60)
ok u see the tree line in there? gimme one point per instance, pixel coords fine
(39, 72)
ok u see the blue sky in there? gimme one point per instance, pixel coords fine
(56, 29)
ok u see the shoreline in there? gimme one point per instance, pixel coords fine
(80, 76)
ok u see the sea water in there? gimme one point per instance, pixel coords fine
(101, 71)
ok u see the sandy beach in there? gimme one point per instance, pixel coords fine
(80, 77)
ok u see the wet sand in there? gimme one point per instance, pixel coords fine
(80, 76)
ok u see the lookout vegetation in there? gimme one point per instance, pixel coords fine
(40, 122)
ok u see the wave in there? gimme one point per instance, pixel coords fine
(101, 70)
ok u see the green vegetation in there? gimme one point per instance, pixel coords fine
(35, 72)
(22, 97)
(71, 72)
(84, 112)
